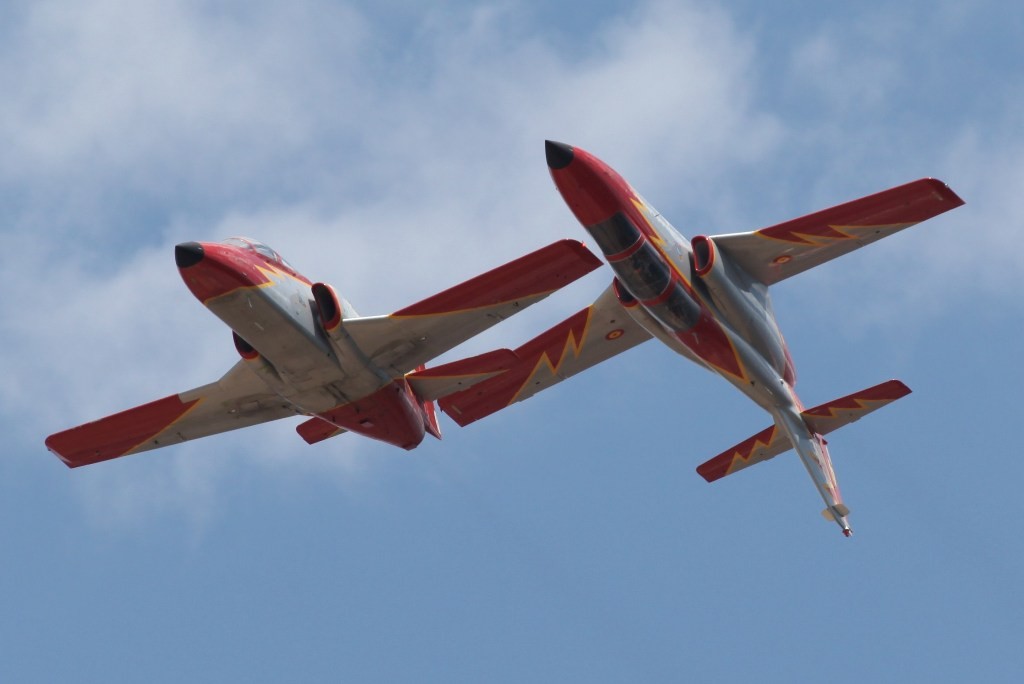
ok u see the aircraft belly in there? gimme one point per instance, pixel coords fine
(390, 414)
(756, 377)
(814, 455)
(656, 329)
(762, 336)
(284, 340)
(311, 378)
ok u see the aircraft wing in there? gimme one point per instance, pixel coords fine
(418, 333)
(778, 252)
(237, 400)
(501, 378)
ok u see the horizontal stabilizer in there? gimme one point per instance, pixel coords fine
(839, 412)
(823, 419)
(766, 444)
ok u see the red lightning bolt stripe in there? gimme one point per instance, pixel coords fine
(864, 401)
(745, 453)
(824, 234)
(889, 210)
(548, 350)
(569, 335)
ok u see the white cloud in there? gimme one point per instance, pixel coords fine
(109, 103)
(847, 78)
(874, 102)
(988, 171)
(114, 83)
(194, 481)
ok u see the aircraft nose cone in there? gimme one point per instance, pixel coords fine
(559, 154)
(188, 254)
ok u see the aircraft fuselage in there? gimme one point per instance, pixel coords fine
(277, 327)
(688, 296)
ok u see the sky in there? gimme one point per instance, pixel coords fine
(394, 150)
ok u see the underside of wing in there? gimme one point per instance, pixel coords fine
(778, 252)
(583, 340)
(239, 399)
(420, 332)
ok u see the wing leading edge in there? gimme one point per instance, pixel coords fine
(775, 253)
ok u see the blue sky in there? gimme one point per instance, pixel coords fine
(392, 151)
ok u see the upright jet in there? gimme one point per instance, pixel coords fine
(306, 352)
(707, 299)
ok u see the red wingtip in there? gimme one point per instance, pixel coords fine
(119, 434)
(847, 532)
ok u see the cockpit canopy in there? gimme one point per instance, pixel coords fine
(260, 248)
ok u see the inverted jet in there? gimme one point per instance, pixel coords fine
(707, 299)
(305, 351)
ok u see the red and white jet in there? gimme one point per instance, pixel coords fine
(305, 351)
(706, 298)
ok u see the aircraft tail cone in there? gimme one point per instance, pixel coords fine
(559, 154)
(188, 254)
(847, 532)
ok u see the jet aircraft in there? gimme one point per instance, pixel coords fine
(707, 299)
(305, 351)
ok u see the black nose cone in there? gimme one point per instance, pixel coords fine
(559, 154)
(188, 254)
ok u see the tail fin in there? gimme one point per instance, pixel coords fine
(822, 419)
(427, 409)
(430, 424)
